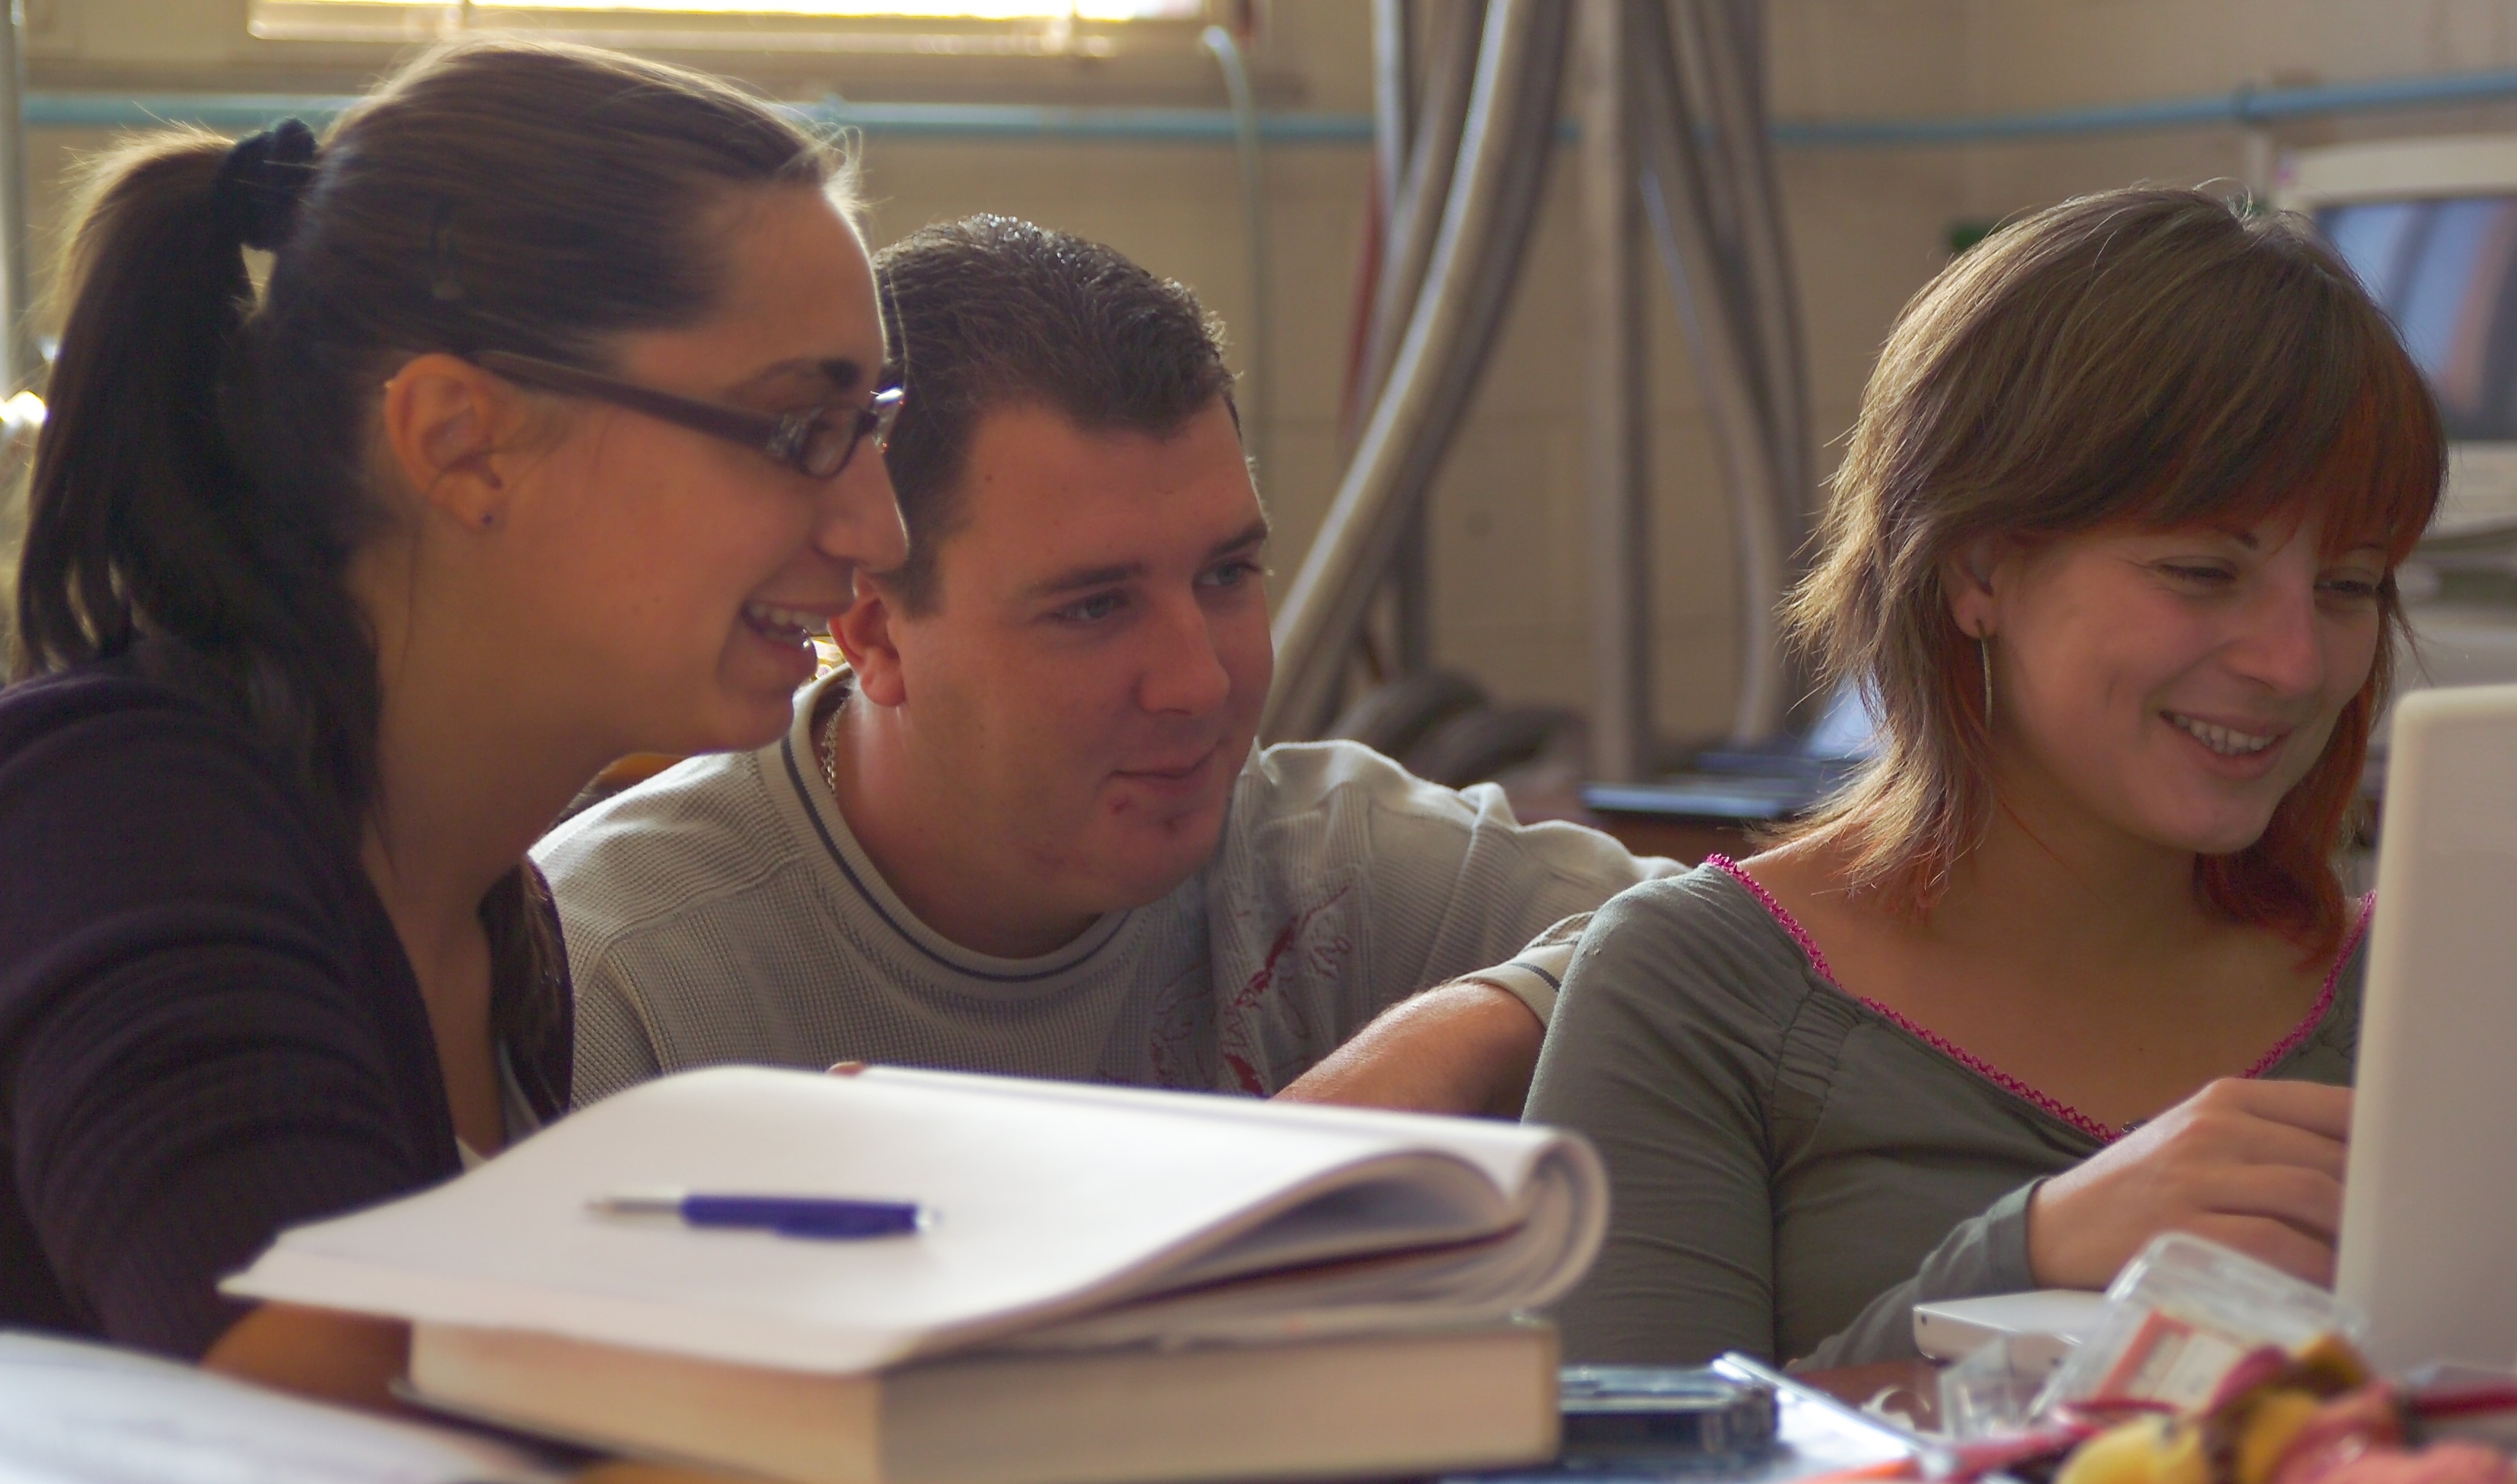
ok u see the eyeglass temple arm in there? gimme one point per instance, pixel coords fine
(699, 417)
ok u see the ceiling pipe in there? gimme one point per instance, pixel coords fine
(1258, 410)
(1714, 301)
(1486, 223)
(1616, 401)
(22, 360)
(2250, 106)
(1427, 153)
(1730, 36)
(1424, 183)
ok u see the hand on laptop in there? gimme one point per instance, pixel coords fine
(1464, 1048)
(2253, 1165)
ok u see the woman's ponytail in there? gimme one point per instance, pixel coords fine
(143, 512)
(132, 467)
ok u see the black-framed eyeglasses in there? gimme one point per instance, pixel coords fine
(815, 442)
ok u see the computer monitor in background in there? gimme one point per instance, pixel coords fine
(2430, 226)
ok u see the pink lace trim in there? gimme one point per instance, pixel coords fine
(1987, 1070)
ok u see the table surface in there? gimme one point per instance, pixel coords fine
(1910, 1388)
(1907, 1387)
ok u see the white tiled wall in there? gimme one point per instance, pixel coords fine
(1869, 228)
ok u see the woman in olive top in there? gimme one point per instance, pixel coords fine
(551, 432)
(2068, 966)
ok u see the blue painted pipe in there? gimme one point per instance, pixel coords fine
(2245, 105)
(1215, 126)
(891, 120)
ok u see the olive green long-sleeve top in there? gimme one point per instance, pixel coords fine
(1794, 1168)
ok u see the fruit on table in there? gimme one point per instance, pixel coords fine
(2338, 1431)
(2148, 1449)
(2314, 1415)
(2272, 1424)
(2446, 1463)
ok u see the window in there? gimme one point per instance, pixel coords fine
(979, 28)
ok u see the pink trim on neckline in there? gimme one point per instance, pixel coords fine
(1994, 1074)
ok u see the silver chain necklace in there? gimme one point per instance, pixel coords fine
(831, 749)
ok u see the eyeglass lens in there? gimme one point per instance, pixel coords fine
(835, 435)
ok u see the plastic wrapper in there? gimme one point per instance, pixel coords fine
(2181, 1316)
(1992, 1392)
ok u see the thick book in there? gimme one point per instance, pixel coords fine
(1072, 1230)
(1372, 1406)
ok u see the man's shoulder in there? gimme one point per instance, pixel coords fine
(673, 845)
(1349, 800)
(1312, 777)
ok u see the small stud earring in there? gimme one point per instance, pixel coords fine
(489, 519)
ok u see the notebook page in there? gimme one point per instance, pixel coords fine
(1043, 1207)
(1508, 1153)
(85, 1413)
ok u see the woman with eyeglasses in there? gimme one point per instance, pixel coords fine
(552, 436)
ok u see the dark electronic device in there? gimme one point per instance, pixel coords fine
(1633, 1411)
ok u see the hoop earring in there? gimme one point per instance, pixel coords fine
(1983, 657)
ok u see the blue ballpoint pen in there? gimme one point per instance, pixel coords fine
(823, 1217)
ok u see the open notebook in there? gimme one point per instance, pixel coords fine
(1231, 1288)
(1063, 1213)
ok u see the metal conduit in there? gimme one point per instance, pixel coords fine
(1259, 405)
(1430, 148)
(22, 360)
(1396, 42)
(1732, 33)
(1616, 401)
(1487, 221)
(1394, 99)
(1716, 300)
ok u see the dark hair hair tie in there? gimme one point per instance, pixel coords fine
(261, 182)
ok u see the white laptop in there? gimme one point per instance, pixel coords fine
(2429, 1218)
(2043, 1327)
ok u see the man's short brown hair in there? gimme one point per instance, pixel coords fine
(989, 312)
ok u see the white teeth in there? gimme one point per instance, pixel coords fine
(2222, 739)
(769, 617)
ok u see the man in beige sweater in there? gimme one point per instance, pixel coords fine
(1027, 828)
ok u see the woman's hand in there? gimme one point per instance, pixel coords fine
(2254, 1166)
(321, 1353)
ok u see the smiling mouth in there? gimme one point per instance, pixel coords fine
(1174, 775)
(783, 625)
(2228, 742)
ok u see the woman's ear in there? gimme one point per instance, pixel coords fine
(864, 633)
(1968, 575)
(452, 429)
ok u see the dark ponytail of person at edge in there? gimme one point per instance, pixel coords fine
(142, 516)
(206, 470)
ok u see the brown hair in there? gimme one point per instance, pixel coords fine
(2157, 358)
(990, 313)
(204, 469)
(204, 472)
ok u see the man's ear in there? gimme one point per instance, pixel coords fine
(452, 429)
(1966, 575)
(864, 633)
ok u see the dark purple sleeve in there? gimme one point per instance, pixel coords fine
(196, 1051)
